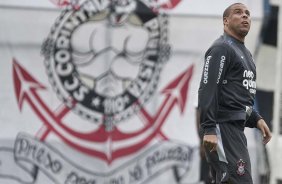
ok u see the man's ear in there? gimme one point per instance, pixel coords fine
(225, 20)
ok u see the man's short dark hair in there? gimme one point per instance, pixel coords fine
(226, 12)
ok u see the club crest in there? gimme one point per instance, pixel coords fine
(241, 167)
(90, 48)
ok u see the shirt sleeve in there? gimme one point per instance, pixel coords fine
(216, 61)
(253, 119)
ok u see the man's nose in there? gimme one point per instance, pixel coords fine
(245, 15)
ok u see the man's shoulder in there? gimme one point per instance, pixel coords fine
(220, 46)
(222, 42)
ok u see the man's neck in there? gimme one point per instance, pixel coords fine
(237, 37)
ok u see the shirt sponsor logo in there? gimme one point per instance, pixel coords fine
(222, 61)
(206, 70)
(249, 81)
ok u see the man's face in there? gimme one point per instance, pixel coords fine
(239, 20)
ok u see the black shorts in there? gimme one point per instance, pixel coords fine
(231, 161)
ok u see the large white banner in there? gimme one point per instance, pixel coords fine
(93, 93)
(101, 91)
